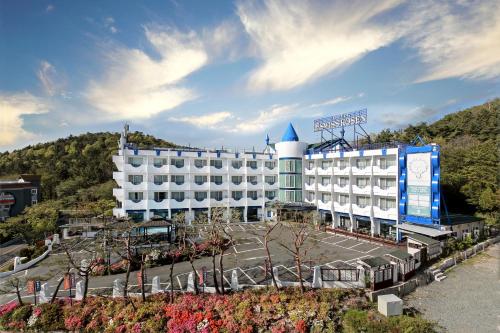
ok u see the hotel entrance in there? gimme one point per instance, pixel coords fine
(363, 225)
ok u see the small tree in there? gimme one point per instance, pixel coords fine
(15, 284)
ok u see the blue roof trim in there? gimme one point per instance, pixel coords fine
(157, 152)
(236, 155)
(179, 153)
(290, 134)
(199, 154)
(341, 154)
(218, 154)
(270, 156)
(384, 151)
(136, 152)
(361, 153)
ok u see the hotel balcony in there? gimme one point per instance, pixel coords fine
(218, 187)
(324, 205)
(139, 169)
(179, 187)
(163, 204)
(338, 189)
(386, 192)
(273, 171)
(364, 171)
(325, 172)
(235, 171)
(237, 186)
(237, 203)
(251, 171)
(118, 161)
(390, 214)
(201, 187)
(272, 186)
(174, 204)
(218, 171)
(325, 188)
(118, 193)
(131, 205)
(341, 208)
(365, 211)
(255, 202)
(218, 203)
(163, 169)
(310, 186)
(175, 170)
(254, 186)
(118, 177)
(341, 172)
(159, 187)
(118, 212)
(143, 186)
(203, 170)
(310, 172)
(200, 204)
(361, 190)
(389, 171)
(312, 201)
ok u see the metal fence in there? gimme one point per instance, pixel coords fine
(339, 274)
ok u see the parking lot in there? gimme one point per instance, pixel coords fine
(247, 256)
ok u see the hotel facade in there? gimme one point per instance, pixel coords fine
(361, 190)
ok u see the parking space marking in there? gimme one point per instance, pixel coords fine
(375, 248)
(248, 276)
(355, 245)
(179, 281)
(255, 258)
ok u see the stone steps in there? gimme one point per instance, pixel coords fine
(439, 277)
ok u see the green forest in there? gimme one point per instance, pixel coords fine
(77, 171)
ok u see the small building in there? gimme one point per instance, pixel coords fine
(462, 226)
(17, 194)
(423, 248)
(404, 263)
(379, 271)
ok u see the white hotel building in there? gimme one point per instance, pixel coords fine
(354, 190)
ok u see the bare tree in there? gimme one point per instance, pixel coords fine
(270, 227)
(179, 222)
(14, 284)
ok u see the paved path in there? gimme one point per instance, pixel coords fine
(468, 300)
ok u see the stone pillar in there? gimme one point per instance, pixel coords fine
(395, 271)
(65, 233)
(17, 261)
(56, 239)
(44, 296)
(275, 273)
(80, 285)
(118, 288)
(362, 273)
(190, 282)
(155, 285)
(245, 214)
(317, 281)
(234, 280)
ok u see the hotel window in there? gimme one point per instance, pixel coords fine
(217, 195)
(200, 180)
(200, 196)
(325, 181)
(135, 196)
(34, 191)
(290, 181)
(270, 179)
(326, 165)
(236, 180)
(160, 179)
(326, 197)
(343, 181)
(252, 195)
(310, 181)
(159, 162)
(361, 163)
(236, 164)
(178, 162)
(178, 179)
(135, 161)
(200, 163)
(310, 196)
(160, 196)
(362, 201)
(362, 182)
(387, 162)
(252, 164)
(343, 199)
(216, 164)
(178, 196)
(236, 195)
(135, 179)
(252, 180)
(387, 203)
(293, 196)
(342, 164)
(386, 183)
(310, 165)
(270, 194)
(217, 180)
(270, 164)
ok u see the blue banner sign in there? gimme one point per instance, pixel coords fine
(342, 120)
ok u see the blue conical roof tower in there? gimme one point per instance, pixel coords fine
(290, 134)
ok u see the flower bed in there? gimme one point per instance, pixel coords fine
(262, 310)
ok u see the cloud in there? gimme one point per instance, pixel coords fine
(459, 39)
(49, 8)
(265, 119)
(13, 107)
(332, 101)
(300, 41)
(135, 85)
(205, 121)
(109, 22)
(51, 81)
(399, 119)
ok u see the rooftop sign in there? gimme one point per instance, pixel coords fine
(342, 120)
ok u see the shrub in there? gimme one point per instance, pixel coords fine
(50, 317)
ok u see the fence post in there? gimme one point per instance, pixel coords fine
(317, 281)
(118, 288)
(79, 290)
(234, 280)
(44, 296)
(155, 285)
(190, 282)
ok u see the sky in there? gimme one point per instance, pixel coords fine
(226, 73)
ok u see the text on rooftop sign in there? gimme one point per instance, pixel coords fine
(341, 120)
